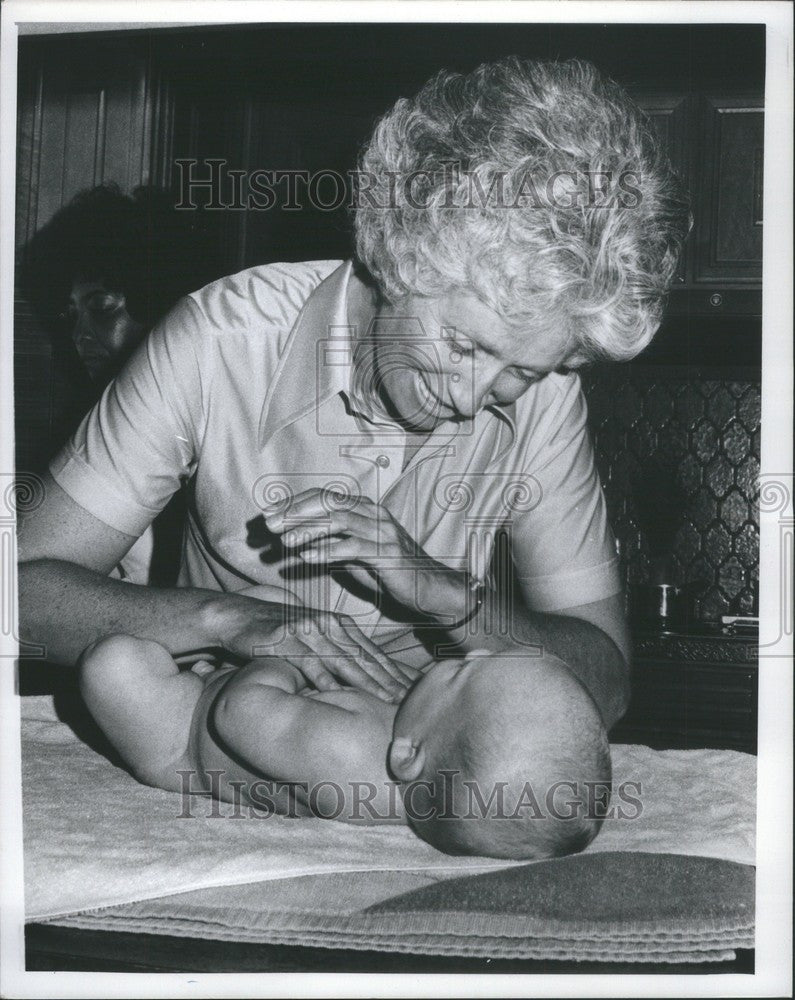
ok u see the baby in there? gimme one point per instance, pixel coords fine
(502, 755)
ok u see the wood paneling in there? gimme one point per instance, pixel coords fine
(83, 121)
(85, 117)
(255, 131)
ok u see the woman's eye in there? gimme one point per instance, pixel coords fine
(460, 343)
(460, 350)
(524, 376)
(103, 302)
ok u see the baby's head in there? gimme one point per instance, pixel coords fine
(503, 755)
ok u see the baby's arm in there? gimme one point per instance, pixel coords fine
(286, 736)
(142, 702)
(271, 671)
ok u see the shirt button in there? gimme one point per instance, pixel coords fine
(382, 461)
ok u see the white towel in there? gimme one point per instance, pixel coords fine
(94, 837)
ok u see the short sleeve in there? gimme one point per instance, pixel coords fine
(563, 547)
(131, 451)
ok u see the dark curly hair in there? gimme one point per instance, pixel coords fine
(137, 244)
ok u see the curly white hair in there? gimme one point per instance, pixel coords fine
(539, 186)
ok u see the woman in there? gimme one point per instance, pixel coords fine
(109, 265)
(356, 434)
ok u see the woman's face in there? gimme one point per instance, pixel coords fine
(103, 331)
(446, 358)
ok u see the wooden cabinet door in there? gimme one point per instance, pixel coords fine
(729, 230)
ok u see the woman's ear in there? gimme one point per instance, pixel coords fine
(406, 758)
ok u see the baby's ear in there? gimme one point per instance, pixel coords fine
(406, 758)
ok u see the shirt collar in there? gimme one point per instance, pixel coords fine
(317, 361)
(317, 364)
(507, 417)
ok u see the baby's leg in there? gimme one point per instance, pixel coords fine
(142, 703)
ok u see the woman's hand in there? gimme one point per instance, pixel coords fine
(320, 644)
(375, 549)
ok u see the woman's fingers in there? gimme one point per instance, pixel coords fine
(321, 648)
(355, 666)
(308, 506)
(295, 533)
(202, 668)
(313, 514)
(374, 651)
(267, 592)
(367, 541)
(325, 649)
(410, 673)
(292, 642)
(341, 550)
(311, 665)
(367, 561)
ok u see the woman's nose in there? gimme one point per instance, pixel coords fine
(471, 394)
(508, 388)
(81, 331)
(484, 389)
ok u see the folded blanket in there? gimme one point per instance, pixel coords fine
(94, 837)
(605, 907)
(592, 907)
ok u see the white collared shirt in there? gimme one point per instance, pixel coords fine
(244, 390)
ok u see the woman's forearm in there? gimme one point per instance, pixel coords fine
(64, 607)
(589, 653)
(586, 649)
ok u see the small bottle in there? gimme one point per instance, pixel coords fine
(623, 571)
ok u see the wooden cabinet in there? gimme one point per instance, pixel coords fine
(692, 691)
(715, 142)
(729, 230)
